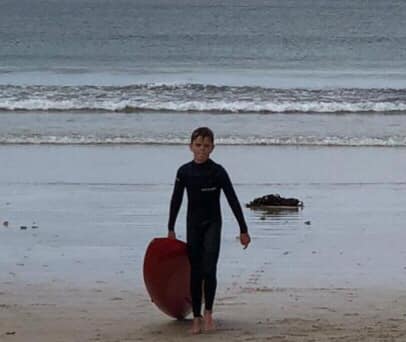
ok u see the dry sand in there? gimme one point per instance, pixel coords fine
(55, 314)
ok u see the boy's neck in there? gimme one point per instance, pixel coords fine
(201, 162)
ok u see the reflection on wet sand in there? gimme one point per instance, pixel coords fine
(271, 211)
(277, 220)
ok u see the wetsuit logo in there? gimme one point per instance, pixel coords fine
(208, 189)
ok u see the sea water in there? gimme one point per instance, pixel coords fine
(257, 72)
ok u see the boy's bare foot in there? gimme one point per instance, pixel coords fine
(208, 321)
(196, 326)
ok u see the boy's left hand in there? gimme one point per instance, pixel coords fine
(245, 239)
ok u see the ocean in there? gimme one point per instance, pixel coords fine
(322, 73)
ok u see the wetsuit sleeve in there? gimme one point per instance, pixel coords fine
(233, 201)
(176, 200)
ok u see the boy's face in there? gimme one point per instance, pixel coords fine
(201, 148)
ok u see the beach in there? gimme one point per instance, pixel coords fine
(332, 271)
(100, 314)
(307, 99)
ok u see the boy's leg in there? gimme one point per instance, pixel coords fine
(195, 252)
(211, 252)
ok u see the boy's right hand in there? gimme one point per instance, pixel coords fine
(171, 235)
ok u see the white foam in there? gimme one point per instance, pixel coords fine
(200, 98)
(201, 106)
(394, 141)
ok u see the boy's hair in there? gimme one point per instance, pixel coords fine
(203, 132)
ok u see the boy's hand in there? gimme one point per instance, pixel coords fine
(171, 234)
(245, 239)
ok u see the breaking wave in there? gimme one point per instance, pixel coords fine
(200, 98)
(395, 141)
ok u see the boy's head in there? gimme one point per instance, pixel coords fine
(202, 144)
(204, 132)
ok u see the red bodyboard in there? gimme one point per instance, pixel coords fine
(167, 276)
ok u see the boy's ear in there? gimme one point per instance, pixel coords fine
(212, 148)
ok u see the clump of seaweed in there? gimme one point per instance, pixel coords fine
(274, 200)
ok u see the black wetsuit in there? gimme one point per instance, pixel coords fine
(203, 183)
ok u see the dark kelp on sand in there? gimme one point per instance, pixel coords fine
(276, 201)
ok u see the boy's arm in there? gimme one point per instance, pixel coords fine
(176, 202)
(233, 202)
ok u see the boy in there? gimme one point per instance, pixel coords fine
(203, 180)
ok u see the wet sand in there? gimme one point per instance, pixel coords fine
(333, 271)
